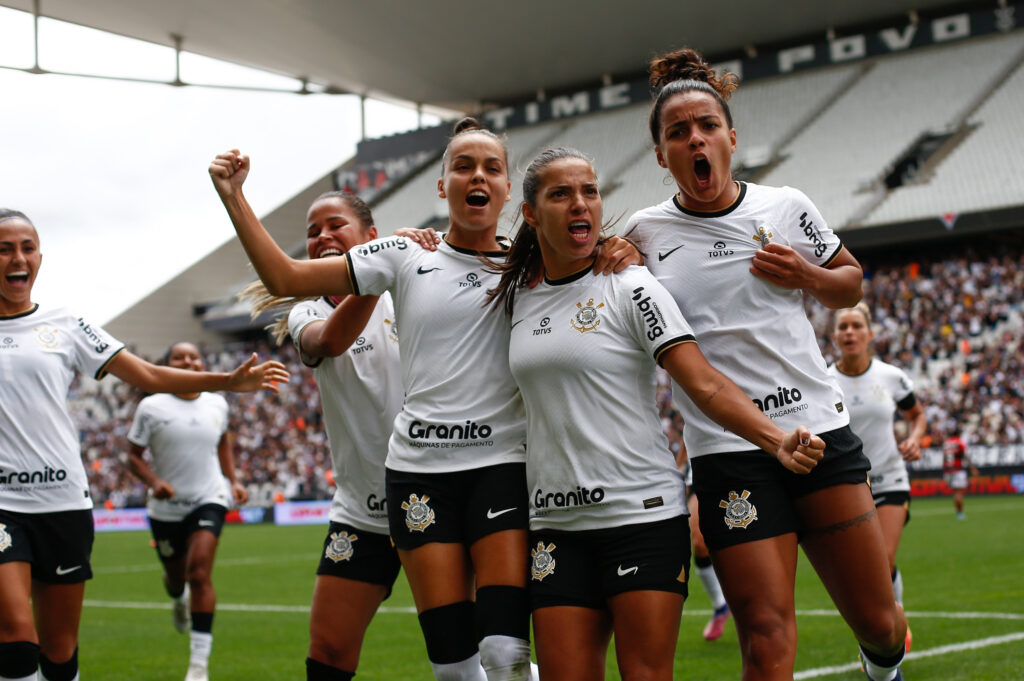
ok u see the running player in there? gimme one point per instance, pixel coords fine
(873, 392)
(608, 509)
(736, 257)
(456, 476)
(954, 455)
(351, 344)
(46, 526)
(192, 454)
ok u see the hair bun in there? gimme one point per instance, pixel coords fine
(467, 123)
(688, 64)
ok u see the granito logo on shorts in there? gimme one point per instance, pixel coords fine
(34, 477)
(581, 496)
(651, 313)
(398, 242)
(101, 345)
(785, 400)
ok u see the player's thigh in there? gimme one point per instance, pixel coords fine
(758, 579)
(341, 612)
(571, 642)
(58, 612)
(892, 519)
(16, 602)
(646, 625)
(439, 573)
(501, 558)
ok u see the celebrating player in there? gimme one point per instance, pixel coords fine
(46, 526)
(736, 257)
(608, 526)
(192, 453)
(874, 391)
(352, 345)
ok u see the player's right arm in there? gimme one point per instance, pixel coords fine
(161, 488)
(282, 275)
(333, 336)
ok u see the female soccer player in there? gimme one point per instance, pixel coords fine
(46, 527)
(608, 508)
(874, 391)
(352, 345)
(192, 453)
(954, 456)
(736, 257)
(456, 481)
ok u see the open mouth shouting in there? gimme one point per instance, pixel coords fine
(478, 198)
(579, 230)
(702, 171)
(330, 253)
(17, 280)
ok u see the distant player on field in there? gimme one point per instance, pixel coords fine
(46, 524)
(954, 456)
(873, 392)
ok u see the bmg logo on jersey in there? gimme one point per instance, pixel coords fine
(46, 475)
(783, 397)
(651, 314)
(472, 281)
(813, 235)
(101, 345)
(397, 242)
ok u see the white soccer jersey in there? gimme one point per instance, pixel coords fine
(755, 333)
(182, 437)
(40, 458)
(462, 408)
(872, 399)
(360, 394)
(584, 352)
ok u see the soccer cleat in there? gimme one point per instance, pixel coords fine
(180, 611)
(960, 515)
(908, 640)
(716, 625)
(197, 672)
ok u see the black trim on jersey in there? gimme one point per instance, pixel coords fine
(672, 342)
(835, 254)
(576, 276)
(20, 314)
(102, 371)
(716, 213)
(861, 373)
(471, 251)
(907, 403)
(352, 275)
(327, 299)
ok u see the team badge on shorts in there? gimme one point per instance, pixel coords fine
(543, 562)
(164, 548)
(418, 516)
(5, 538)
(738, 511)
(340, 547)
(586, 318)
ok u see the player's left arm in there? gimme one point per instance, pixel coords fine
(226, 455)
(910, 448)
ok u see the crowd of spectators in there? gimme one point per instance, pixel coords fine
(953, 323)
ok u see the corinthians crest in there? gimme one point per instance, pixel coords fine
(418, 516)
(738, 511)
(543, 562)
(340, 546)
(586, 318)
(5, 538)
(46, 336)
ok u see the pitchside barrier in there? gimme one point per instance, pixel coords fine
(1001, 469)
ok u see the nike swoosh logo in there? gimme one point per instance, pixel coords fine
(627, 571)
(206, 523)
(494, 514)
(65, 571)
(662, 256)
(420, 270)
(517, 323)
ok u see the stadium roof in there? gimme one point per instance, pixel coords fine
(451, 54)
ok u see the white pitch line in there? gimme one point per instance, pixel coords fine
(155, 566)
(916, 655)
(237, 607)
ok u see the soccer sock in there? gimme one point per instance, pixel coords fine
(881, 668)
(64, 671)
(503, 625)
(451, 643)
(318, 671)
(710, 581)
(897, 585)
(19, 661)
(200, 644)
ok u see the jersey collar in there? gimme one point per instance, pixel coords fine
(35, 306)
(715, 213)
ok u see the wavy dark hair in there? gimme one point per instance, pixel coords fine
(524, 265)
(686, 70)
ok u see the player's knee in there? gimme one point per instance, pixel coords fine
(198, 574)
(765, 637)
(326, 647)
(449, 632)
(884, 632)
(18, 659)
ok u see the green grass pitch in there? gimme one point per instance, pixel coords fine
(964, 596)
